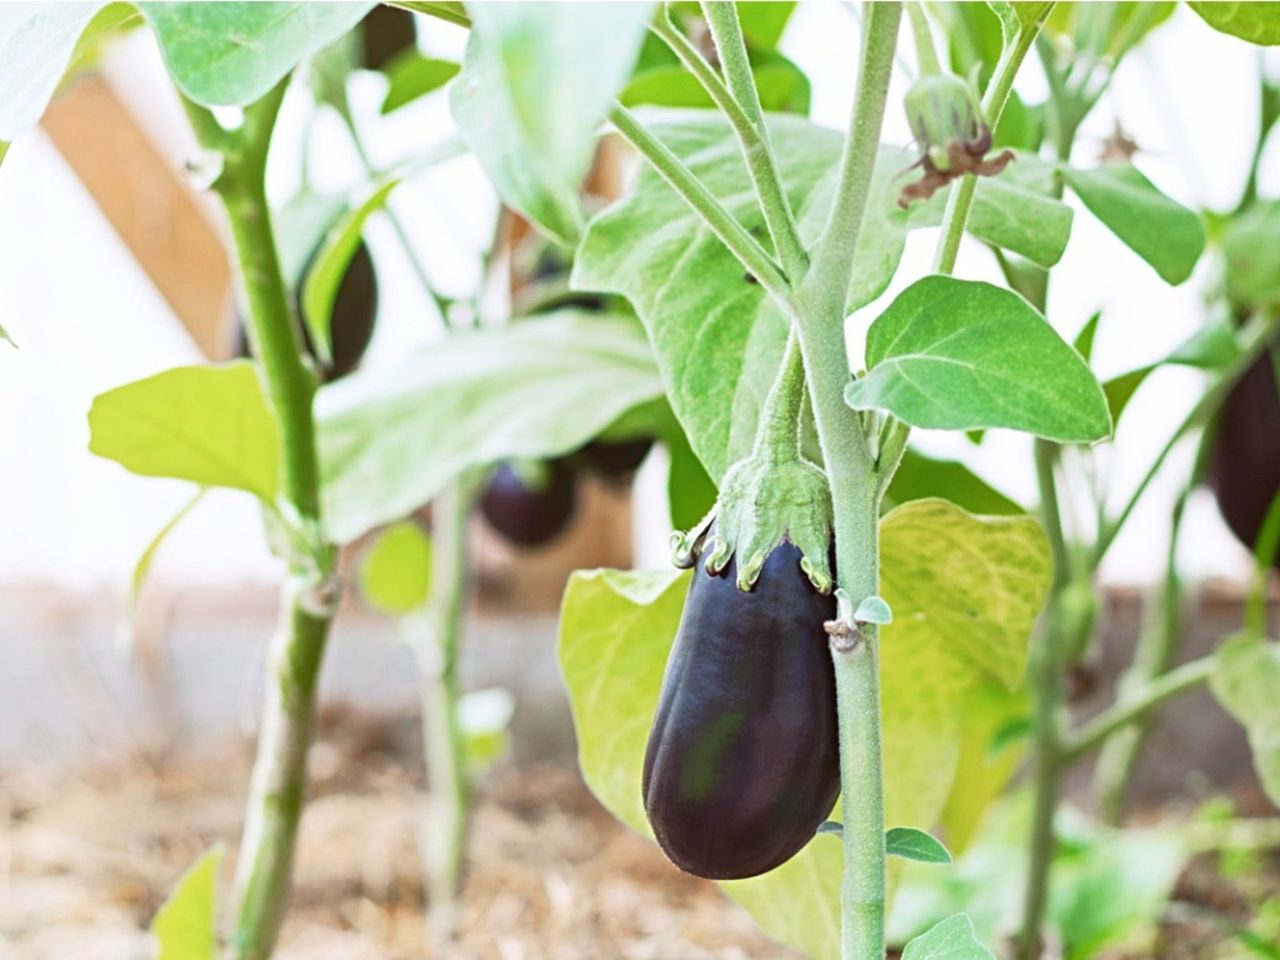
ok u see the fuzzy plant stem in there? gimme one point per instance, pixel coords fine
(278, 786)
(448, 796)
(819, 313)
(1156, 647)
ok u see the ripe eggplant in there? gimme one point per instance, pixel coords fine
(526, 514)
(742, 763)
(355, 310)
(1244, 468)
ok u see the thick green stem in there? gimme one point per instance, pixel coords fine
(277, 790)
(721, 222)
(1136, 705)
(448, 795)
(1156, 647)
(819, 311)
(278, 787)
(722, 18)
(1044, 677)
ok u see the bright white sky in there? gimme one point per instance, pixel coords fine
(87, 318)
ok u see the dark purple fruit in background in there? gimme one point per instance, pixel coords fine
(526, 514)
(743, 759)
(616, 458)
(355, 309)
(1244, 465)
(385, 33)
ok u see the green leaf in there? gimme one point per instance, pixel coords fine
(1246, 682)
(715, 332)
(207, 424)
(1106, 31)
(912, 844)
(1084, 339)
(965, 593)
(955, 355)
(390, 439)
(763, 21)
(920, 476)
(988, 756)
(413, 76)
(37, 41)
(395, 571)
(535, 83)
(1256, 22)
(231, 54)
(782, 85)
(690, 492)
(1251, 255)
(952, 939)
(143, 567)
(1161, 231)
(185, 925)
(873, 609)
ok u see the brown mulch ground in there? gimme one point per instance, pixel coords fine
(85, 861)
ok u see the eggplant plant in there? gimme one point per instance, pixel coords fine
(856, 643)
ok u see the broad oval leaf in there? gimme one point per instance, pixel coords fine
(208, 424)
(225, 54)
(715, 332)
(1161, 231)
(395, 570)
(952, 939)
(185, 926)
(954, 354)
(536, 81)
(390, 439)
(965, 592)
(1255, 21)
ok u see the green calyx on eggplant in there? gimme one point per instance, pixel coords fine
(765, 501)
(351, 325)
(1244, 463)
(742, 763)
(530, 503)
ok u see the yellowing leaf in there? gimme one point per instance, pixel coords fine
(184, 924)
(395, 572)
(207, 424)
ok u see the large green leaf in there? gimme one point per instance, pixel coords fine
(185, 926)
(1161, 231)
(536, 81)
(390, 439)
(782, 85)
(1246, 682)
(964, 591)
(1254, 21)
(958, 355)
(230, 54)
(715, 331)
(207, 424)
(37, 41)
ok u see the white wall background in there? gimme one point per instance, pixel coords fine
(86, 317)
